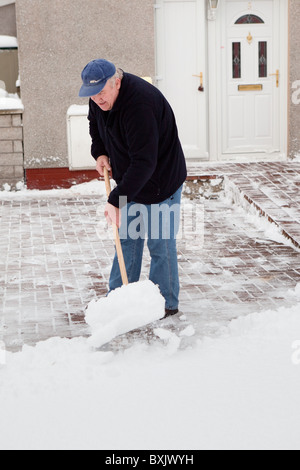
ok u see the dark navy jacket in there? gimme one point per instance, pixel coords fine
(140, 137)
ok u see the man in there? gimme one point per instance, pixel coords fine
(134, 135)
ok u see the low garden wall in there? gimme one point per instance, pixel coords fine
(11, 148)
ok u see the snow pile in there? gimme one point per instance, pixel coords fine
(295, 293)
(91, 188)
(10, 101)
(238, 390)
(171, 340)
(123, 310)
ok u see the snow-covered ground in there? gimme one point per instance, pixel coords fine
(237, 388)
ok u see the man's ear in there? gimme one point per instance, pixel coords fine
(118, 83)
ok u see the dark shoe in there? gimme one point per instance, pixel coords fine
(169, 312)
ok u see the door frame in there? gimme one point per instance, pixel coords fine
(215, 49)
(201, 153)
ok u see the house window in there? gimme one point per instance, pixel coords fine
(236, 60)
(249, 19)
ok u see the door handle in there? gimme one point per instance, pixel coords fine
(201, 87)
(277, 74)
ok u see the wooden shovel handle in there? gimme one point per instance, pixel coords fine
(116, 235)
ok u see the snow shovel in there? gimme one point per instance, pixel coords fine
(127, 308)
(116, 235)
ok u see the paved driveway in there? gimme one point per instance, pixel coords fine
(56, 252)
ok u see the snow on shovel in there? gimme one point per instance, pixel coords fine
(127, 308)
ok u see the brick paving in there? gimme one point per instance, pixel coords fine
(56, 255)
(273, 188)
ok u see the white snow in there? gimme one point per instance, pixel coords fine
(10, 101)
(78, 110)
(95, 187)
(236, 390)
(188, 331)
(272, 231)
(8, 42)
(216, 182)
(123, 310)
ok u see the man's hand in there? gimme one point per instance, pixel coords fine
(113, 215)
(102, 162)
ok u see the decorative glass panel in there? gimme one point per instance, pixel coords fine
(263, 59)
(236, 60)
(249, 19)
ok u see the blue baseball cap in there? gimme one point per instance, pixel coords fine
(95, 76)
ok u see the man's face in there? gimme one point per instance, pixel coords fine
(108, 96)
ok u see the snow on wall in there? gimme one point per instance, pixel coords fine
(8, 42)
(10, 101)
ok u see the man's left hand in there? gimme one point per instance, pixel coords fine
(113, 215)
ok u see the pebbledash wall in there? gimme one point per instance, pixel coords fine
(57, 39)
(294, 60)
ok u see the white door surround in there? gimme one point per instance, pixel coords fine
(233, 123)
(272, 143)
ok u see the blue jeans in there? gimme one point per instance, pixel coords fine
(159, 224)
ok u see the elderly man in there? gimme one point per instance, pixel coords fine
(134, 135)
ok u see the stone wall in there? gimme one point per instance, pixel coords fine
(11, 148)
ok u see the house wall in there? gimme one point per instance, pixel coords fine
(8, 20)
(56, 40)
(294, 112)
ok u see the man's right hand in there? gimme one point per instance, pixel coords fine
(102, 162)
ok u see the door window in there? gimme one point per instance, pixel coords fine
(249, 19)
(263, 59)
(236, 60)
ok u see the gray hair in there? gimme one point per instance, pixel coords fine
(119, 74)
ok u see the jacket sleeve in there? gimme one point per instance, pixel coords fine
(142, 139)
(98, 147)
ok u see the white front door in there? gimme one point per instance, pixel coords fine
(181, 69)
(251, 78)
(240, 59)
